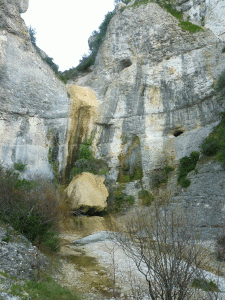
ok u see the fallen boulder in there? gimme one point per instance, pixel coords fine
(87, 192)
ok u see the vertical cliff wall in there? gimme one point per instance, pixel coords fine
(34, 105)
(154, 81)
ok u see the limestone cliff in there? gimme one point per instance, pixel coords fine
(154, 81)
(34, 105)
(204, 12)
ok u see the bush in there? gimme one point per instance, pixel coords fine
(32, 33)
(187, 164)
(214, 144)
(121, 199)
(220, 85)
(161, 176)
(146, 197)
(95, 42)
(32, 208)
(205, 285)
(94, 166)
(19, 166)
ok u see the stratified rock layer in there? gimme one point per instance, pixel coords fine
(154, 81)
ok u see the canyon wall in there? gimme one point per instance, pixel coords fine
(34, 104)
(154, 81)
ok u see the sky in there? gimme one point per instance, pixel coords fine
(63, 27)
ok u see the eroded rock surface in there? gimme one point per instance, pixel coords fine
(88, 191)
(34, 105)
(152, 80)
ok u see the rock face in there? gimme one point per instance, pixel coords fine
(34, 105)
(83, 114)
(204, 199)
(154, 81)
(204, 12)
(88, 191)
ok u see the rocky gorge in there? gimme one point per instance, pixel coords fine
(148, 101)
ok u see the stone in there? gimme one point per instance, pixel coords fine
(87, 191)
(34, 105)
(153, 79)
(205, 13)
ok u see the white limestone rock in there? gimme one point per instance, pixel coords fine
(34, 105)
(152, 79)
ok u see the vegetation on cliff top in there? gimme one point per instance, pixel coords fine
(47, 59)
(95, 41)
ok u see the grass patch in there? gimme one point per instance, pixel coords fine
(188, 26)
(43, 290)
(187, 164)
(205, 285)
(146, 197)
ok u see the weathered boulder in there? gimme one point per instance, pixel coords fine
(87, 191)
(34, 105)
(154, 81)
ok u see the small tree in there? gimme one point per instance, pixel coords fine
(32, 33)
(165, 249)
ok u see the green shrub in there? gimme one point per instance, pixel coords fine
(95, 42)
(130, 199)
(161, 176)
(220, 84)
(205, 285)
(32, 208)
(188, 26)
(214, 144)
(121, 199)
(223, 50)
(94, 166)
(187, 164)
(19, 166)
(146, 197)
(85, 152)
(32, 33)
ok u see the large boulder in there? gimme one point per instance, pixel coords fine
(87, 191)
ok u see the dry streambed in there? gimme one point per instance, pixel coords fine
(95, 265)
